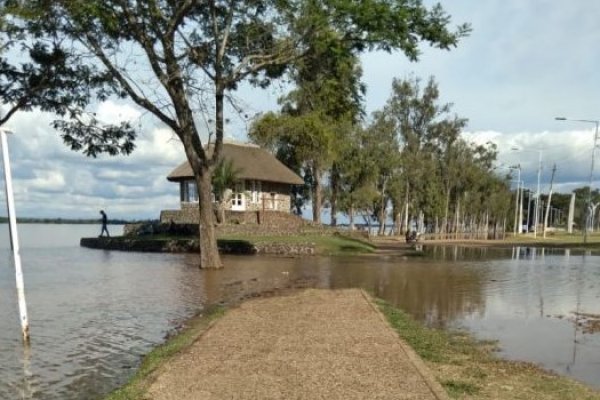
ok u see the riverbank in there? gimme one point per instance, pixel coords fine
(464, 367)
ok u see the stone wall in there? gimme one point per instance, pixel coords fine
(190, 215)
(241, 247)
(187, 215)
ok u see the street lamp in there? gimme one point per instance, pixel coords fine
(14, 239)
(538, 193)
(517, 223)
(589, 199)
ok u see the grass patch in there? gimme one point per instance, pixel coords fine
(457, 388)
(324, 244)
(470, 369)
(139, 383)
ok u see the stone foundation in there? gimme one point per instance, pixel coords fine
(238, 247)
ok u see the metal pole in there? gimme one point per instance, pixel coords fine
(537, 197)
(520, 207)
(528, 209)
(589, 199)
(14, 238)
(517, 198)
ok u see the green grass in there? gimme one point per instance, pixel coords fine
(457, 388)
(559, 239)
(138, 384)
(470, 369)
(324, 244)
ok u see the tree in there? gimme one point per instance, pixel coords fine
(225, 176)
(425, 169)
(178, 59)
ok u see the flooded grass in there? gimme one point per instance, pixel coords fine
(470, 369)
(193, 330)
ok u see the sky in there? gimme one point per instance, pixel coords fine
(524, 63)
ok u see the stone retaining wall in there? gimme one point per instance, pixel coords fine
(190, 215)
(238, 247)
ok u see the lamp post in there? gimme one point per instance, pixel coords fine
(538, 193)
(518, 168)
(589, 199)
(14, 239)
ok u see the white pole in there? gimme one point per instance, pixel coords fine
(521, 207)
(537, 197)
(14, 238)
(517, 199)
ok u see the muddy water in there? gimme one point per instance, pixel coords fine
(95, 313)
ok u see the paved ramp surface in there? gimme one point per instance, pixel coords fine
(314, 344)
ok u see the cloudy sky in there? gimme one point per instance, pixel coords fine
(525, 63)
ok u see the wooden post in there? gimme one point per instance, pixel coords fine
(14, 239)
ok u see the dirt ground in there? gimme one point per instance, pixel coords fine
(313, 344)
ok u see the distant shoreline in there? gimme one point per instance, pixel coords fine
(74, 221)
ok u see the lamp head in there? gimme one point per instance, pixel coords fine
(560, 118)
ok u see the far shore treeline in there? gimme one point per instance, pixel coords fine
(4, 220)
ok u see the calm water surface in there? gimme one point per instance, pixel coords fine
(94, 313)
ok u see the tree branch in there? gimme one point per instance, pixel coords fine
(140, 100)
(223, 45)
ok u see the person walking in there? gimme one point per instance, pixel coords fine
(104, 222)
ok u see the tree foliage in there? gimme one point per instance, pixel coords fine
(411, 156)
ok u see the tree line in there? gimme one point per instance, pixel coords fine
(406, 161)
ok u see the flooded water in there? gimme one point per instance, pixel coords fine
(94, 313)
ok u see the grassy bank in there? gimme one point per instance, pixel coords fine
(552, 240)
(324, 244)
(137, 385)
(470, 369)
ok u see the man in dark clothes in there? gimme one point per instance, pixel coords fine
(104, 221)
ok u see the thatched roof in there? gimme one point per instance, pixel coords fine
(252, 161)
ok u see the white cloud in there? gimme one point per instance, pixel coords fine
(570, 151)
(112, 112)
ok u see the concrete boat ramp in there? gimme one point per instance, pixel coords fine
(313, 344)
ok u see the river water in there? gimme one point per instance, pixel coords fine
(94, 313)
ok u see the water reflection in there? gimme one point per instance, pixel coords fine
(95, 313)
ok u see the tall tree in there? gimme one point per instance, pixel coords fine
(178, 59)
(327, 86)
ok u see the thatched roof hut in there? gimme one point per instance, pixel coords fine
(253, 163)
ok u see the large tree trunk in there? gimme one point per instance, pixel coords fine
(209, 252)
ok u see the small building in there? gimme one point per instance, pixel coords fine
(265, 184)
